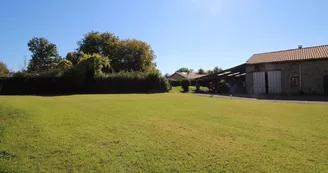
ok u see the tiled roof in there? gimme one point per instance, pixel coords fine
(189, 75)
(318, 52)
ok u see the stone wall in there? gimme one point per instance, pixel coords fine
(311, 75)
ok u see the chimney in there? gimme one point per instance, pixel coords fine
(300, 46)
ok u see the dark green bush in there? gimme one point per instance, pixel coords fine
(36, 85)
(84, 77)
(129, 82)
(220, 87)
(185, 85)
(124, 82)
(167, 84)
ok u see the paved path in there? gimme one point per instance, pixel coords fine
(287, 99)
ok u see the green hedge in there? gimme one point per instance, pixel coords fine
(130, 82)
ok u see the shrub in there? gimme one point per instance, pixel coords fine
(167, 84)
(21, 73)
(91, 64)
(36, 85)
(64, 65)
(222, 87)
(185, 85)
(123, 82)
(127, 82)
(86, 69)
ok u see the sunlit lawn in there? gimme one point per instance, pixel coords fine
(160, 133)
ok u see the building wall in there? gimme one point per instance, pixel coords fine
(311, 78)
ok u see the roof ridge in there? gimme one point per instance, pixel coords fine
(291, 49)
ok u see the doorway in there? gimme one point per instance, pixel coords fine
(267, 82)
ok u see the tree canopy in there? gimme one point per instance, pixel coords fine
(73, 57)
(92, 64)
(3, 70)
(217, 69)
(201, 71)
(133, 55)
(44, 54)
(184, 69)
(65, 65)
(104, 44)
(124, 55)
(209, 72)
(110, 52)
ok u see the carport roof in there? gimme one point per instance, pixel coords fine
(309, 53)
(236, 71)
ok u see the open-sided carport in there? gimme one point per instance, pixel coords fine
(234, 77)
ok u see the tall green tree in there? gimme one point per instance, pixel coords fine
(124, 55)
(104, 44)
(44, 54)
(217, 69)
(3, 70)
(201, 71)
(183, 69)
(209, 72)
(133, 55)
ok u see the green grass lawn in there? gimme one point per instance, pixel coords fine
(160, 133)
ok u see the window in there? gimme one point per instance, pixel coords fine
(295, 81)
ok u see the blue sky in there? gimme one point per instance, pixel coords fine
(183, 33)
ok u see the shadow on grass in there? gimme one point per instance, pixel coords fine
(303, 98)
(184, 92)
(78, 93)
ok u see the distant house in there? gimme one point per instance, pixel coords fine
(179, 76)
(302, 70)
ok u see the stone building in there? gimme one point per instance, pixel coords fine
(289, 72)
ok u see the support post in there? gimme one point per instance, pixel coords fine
(197, 86)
